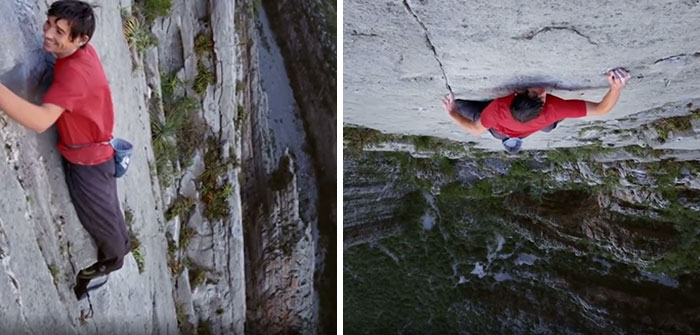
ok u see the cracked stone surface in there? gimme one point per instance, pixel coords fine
(42, 244)
(400, 57)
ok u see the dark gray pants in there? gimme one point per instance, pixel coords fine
(93, 190)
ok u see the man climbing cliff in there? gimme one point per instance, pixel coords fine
(79, 101)
(516, 116)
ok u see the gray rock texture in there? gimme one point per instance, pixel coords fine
(189, 270)
(400, 57)
(41, 235)
(280, 194)
(189, 274)
(305, 31)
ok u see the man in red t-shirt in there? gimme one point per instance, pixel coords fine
(79, 101)
(516, 116)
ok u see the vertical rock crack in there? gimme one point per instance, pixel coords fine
(429, 42)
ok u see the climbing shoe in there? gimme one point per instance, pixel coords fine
(83, 286)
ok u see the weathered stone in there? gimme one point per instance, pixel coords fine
(401, 57)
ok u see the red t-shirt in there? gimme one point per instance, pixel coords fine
(80, 87)
(497, 115)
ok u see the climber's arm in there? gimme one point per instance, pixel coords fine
(617, 79)
(474, 127)
(37, 118)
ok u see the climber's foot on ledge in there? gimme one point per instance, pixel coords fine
(83, 286)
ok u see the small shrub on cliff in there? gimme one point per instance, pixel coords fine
(204, 44)
(128, 216)
(204, 78)
(136, 248)
(166, 136)
(356, 139)
(186, 235)
(168, 85)
(197, 276)
(137, 36)
(139, 258)
(676, 125)
(154, 8)
(180, 316)
(213, 183)
(241, 115)
(180, 206)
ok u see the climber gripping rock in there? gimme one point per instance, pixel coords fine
(79, 102)
(516, 116)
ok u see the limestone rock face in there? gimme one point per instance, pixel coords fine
(195, 269)
(282, 290)
(401, 57)
(43, 243)
(280, 196)
(306, 34)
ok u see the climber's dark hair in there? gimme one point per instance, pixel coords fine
(525, 108)
(79, 14)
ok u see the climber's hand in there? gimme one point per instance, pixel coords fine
(449, 102)
(618, 77)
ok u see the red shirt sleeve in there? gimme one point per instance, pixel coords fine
(67, 90)
(565, 109)
(490, 114)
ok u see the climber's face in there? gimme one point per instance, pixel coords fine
(57, 39)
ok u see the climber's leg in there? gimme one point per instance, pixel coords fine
(93, 190)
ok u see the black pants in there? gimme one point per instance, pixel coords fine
(93, 190)
(472, 111)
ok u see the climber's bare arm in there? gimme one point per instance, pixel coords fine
(37, 118)
(474, 127)
(617, 79)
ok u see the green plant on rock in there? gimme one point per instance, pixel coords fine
(180, 316)
(197, 276)
(204, 78)
(676, 124)
(357, 138)
(176, 116)
(178, 265)
(642, 152)
(186, 235)
(240, 85)
(136, 247)
(128, 216)
(167, 145)
(571, 155)
(180, 206)
(151, 9)
(173, 261)
(139, 258)
(168, 85)
(138, 38)
(189, 139)
(216, 189)
(216, 200)
(204, 44)
(55, 273)
(241, 115)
